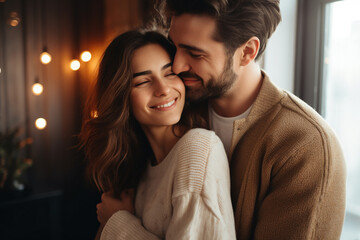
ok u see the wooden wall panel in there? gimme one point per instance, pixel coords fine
(13, 92)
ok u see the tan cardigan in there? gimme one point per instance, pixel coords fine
(287, 171)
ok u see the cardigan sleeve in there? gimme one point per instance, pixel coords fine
(306, 197)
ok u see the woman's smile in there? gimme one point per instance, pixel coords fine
(165, 106)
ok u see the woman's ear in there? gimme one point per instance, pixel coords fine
(249, 51)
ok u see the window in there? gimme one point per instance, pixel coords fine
(327, 78)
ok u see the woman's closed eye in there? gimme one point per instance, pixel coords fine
(141, 82)
(170, 74)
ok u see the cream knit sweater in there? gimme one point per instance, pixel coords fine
(186, 196)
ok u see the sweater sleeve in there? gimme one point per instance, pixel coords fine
(201, 203)
(194, 219)
(202, 206)
(124, 225)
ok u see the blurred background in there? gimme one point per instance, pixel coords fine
(49, 54)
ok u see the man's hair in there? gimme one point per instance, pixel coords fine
(237, 20)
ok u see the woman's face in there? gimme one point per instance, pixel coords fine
(157, 94)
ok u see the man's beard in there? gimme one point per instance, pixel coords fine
(215, 88)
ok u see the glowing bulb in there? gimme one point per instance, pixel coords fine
(14, 22)
(85, 56)
(45, 57)
(14, 19)
(94, 114)
(37, 88)
(75, 65)
(40, 123)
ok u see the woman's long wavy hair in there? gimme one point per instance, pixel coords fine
(116, 148)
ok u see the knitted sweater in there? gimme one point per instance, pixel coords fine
(186, 196)
(287, 171)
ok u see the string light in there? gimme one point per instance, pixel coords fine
(85, 56)
(40, 123)
(94, 114)
(37, 88)
(14, 19)
(45, 57)
(75, 65)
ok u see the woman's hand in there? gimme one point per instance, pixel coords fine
(110, 205)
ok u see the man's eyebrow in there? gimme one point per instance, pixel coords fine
(149, 72)
(193, 48)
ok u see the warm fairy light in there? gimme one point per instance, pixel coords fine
(40, 123)
(14, 22)
(14, 19)
(45, 57)
(85, 56)
(75, 65)
(37, 88)
(94, 114)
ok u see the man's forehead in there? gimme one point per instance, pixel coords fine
(191, 27)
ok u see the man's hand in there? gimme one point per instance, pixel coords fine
(110, 205)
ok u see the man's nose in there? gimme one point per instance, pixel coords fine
(180, 63)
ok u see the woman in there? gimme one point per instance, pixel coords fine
(141, 139)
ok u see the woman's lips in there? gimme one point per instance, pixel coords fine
(165, 106)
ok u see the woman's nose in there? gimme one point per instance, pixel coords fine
(162, 88)
(180, 63)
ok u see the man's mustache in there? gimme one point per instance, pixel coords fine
(189, 75)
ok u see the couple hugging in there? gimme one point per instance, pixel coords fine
(192, 140)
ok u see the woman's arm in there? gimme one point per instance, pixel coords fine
(202, 207)
(201, 202)
(117, 220)
(110, 205)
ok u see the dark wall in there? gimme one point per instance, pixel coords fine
(57, 164)
(66, 28)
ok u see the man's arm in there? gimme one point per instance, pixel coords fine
(306, 198)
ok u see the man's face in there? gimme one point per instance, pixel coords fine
(200, 61)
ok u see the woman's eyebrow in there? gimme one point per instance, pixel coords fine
(142, 73)
(147, 72)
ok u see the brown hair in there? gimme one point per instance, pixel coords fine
(115, 146)
(237, 20)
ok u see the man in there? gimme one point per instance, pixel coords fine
(287, 167)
